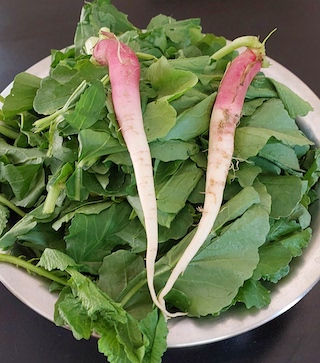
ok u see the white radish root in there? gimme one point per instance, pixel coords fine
(224, 119)
(124, 73)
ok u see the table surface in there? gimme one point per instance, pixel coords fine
(30, 29)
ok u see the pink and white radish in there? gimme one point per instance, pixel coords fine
(124, 74)
(224, 119)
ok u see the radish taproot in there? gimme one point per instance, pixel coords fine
(225, 116)
(124, 74)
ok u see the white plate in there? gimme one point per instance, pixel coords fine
(305, 271)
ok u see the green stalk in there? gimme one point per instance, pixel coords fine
(146, 56)
(249, 41)
(45, 122)
(51, 134)
(10, 205)
(8, 132)
(50, 201)
(161, 267)
(30, 267)
(245, 41)
(141, 280)
(54, 187)
(78, 183)
(105, 80)
(135, 289)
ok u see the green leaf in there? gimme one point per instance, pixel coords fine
(297, 241)
(40, 237)
(282, 227)
(236, 206)
(246, 174)
(172, 195)
(222, 265)
(69, 311)
(55, 90)
(85, 208)
(190, 99)
(282, 155)
(158, 119)
(90, 237)
(265, 197)
(302, 214)
(313, 173)
(294, 104)
(52, 259)
(253, 294)
(88, 309)
(271, 115)
(261, 87)
(21, 155)
(94, 144)
(96, 15)
(117, 269)
(93, 299)
(22, 93)
(196, 65)
(169, 34)
(286, 192)
(170, 83)
(121, 343)
(178, 227)
(266, 165)
(173, 150)
(210, 43)
(250, 106)
(23, 179)
(155, 331)
(88, 108)
(274, 262)
(134, 235)
(250, 140)
(109, 344)
(178, 300)
(23, 226)
(4, 214)
(194, 121)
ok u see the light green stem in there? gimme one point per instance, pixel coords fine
(50, 201)
(146, 56)
(10, 205)
(135, 289)
(8, 132)
(105, 80)
(249, 41)
(141, 280)
(45, 122)
(30, 267)
(245, 41)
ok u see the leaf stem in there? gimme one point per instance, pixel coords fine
(105, 80)
(146, 56)
(8, 132)
(10, 205)
(245, 41)
(45, 122)
(141, 280)
(249, 41)
(30, 267)
(135, 289)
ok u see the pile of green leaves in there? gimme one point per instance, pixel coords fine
(68, 193)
